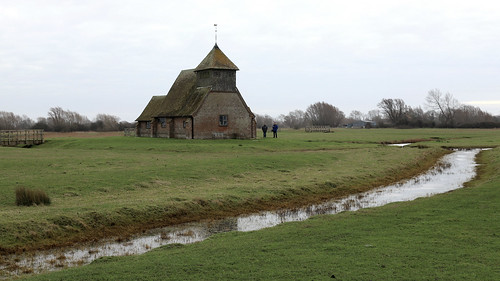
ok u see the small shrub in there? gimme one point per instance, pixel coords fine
(27, 197)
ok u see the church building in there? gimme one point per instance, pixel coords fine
(203, 103)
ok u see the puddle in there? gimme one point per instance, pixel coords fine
(451, 172)
(399, 144)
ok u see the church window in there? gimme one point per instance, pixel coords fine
(163, 122)
(223, 120)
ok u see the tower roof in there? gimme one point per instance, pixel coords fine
(216, 59)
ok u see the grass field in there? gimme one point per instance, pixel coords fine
(453, 236)
(117, 185)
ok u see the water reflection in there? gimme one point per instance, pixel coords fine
(451, 172)
(399, 144)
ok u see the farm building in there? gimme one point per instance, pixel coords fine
(362, 124)
(203, 103)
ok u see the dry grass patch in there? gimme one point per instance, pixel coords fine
(28, 197)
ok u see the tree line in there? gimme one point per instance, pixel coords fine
(320, 113)
(61, 120)
(442, 111)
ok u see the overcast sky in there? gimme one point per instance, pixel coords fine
(112, 56)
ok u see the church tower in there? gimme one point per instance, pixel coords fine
(217, 71)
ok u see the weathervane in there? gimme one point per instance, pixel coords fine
(215, 25)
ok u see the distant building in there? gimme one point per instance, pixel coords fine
(362, 124)
(203, 103)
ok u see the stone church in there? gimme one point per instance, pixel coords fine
(203, 103)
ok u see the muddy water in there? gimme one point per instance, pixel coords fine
(450, 173)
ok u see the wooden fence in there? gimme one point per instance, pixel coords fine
(323, 129)
(17, 137)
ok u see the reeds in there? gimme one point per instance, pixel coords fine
(28, 197)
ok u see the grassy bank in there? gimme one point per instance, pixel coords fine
(453, 236)
(117, 185)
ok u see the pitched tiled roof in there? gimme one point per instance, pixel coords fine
(183, 98)
(216, 59)
(151, 109)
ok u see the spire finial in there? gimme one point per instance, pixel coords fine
(215, 25)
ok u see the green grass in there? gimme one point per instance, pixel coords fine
(452, 236)
(119, 185)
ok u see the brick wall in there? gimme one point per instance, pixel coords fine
(239, 120)
(182, 128)
(179, 127)
(163, 130)
(142, 131)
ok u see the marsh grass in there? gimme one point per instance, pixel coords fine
(164, 236)
(28, 197)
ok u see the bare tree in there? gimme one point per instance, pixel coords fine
(444, 104)
(56, 118)
(416, 117)
(41, 123)
(26, 122)
(295, 119)
(8, 120)
(11, 121)
(322, 113)
(357, 115)
(76, 122)
(263, 119)
(66, 120)
(108, 122)
(395, 110)
(374, 115)
(471, 116)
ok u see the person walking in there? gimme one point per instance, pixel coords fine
(275, 130)
(264, 130)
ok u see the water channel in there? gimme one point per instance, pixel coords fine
(452, 171)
